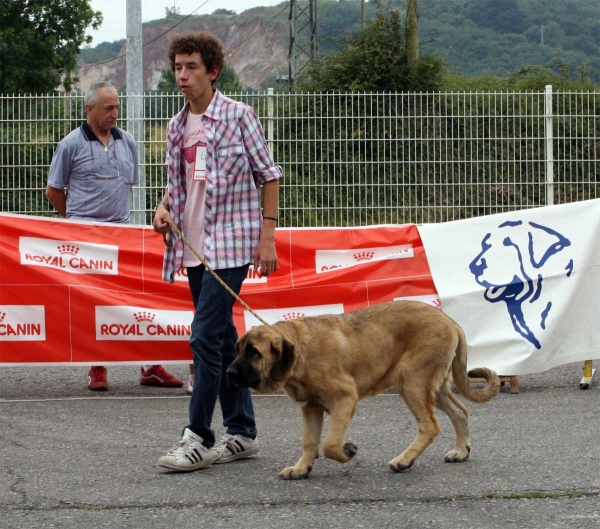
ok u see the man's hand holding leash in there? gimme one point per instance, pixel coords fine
(160, 223)
(265, 255)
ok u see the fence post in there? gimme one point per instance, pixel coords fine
(549, 147)
(67, 109)
(66, 114)
(270, 93)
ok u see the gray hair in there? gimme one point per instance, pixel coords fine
(91, 97)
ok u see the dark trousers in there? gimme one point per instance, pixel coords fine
(213, 343)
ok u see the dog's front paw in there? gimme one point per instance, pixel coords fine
(341, 454)
(350, 450)
(457, 456)
(398, 465)
(295, 473)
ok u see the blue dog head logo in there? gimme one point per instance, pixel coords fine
(513, 263)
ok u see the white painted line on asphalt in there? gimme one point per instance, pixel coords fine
(100, 399)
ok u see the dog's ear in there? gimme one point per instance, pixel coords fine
(284, 362)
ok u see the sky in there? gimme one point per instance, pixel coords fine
(114, 25)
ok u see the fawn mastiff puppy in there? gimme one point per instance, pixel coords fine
(327, 363)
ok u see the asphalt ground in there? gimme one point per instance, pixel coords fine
(71, 458)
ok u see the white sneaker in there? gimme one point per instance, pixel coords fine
(232, 447)
(190, 386)
(189, 454)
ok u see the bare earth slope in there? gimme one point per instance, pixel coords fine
(256, 50)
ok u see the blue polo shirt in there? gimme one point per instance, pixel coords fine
(98, 180)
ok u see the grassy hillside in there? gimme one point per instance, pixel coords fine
(105, 51)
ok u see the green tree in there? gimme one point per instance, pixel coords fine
(167, 82)
(373, 60)
(504, 17)
(228, 80)
(39, 42)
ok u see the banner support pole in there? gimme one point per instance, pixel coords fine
(588, 375)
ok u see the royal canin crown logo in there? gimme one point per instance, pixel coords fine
(293, 316)
(144, 316)
(363, 256)
(437, 302)
(2, 316)
(68, 249)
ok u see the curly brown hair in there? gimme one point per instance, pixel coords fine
(206, 44)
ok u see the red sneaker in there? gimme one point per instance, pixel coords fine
(97, 379)
(159, 376)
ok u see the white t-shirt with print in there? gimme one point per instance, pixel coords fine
(194, 153)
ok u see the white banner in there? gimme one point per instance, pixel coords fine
(524, 286)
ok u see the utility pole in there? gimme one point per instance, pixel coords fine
(362, 15)
(412, 35)
(135, 104)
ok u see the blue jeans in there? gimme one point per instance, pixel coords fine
(213, 343)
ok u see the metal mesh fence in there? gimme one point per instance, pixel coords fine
(353, 159)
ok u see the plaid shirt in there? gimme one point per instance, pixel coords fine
(238, 162)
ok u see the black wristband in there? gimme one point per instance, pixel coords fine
(165, 205)
(271, 218)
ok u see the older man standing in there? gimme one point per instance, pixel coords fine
(97, 164)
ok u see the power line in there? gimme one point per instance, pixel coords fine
(161, 35)
(178, 23)
(273, 18)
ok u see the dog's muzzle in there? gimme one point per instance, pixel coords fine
(241, 374)
(232, 376)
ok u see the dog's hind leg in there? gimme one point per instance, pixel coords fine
(312, 426)
(459, 415)
(334, 446)
(420, 402)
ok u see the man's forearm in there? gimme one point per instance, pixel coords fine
(58, 199)
(271, 202)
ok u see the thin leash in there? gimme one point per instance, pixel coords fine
(223, 284)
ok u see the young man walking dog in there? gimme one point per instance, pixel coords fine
(218, 161)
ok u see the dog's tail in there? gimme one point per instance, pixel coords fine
(461, 377)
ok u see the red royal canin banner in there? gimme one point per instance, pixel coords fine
(91, 293)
